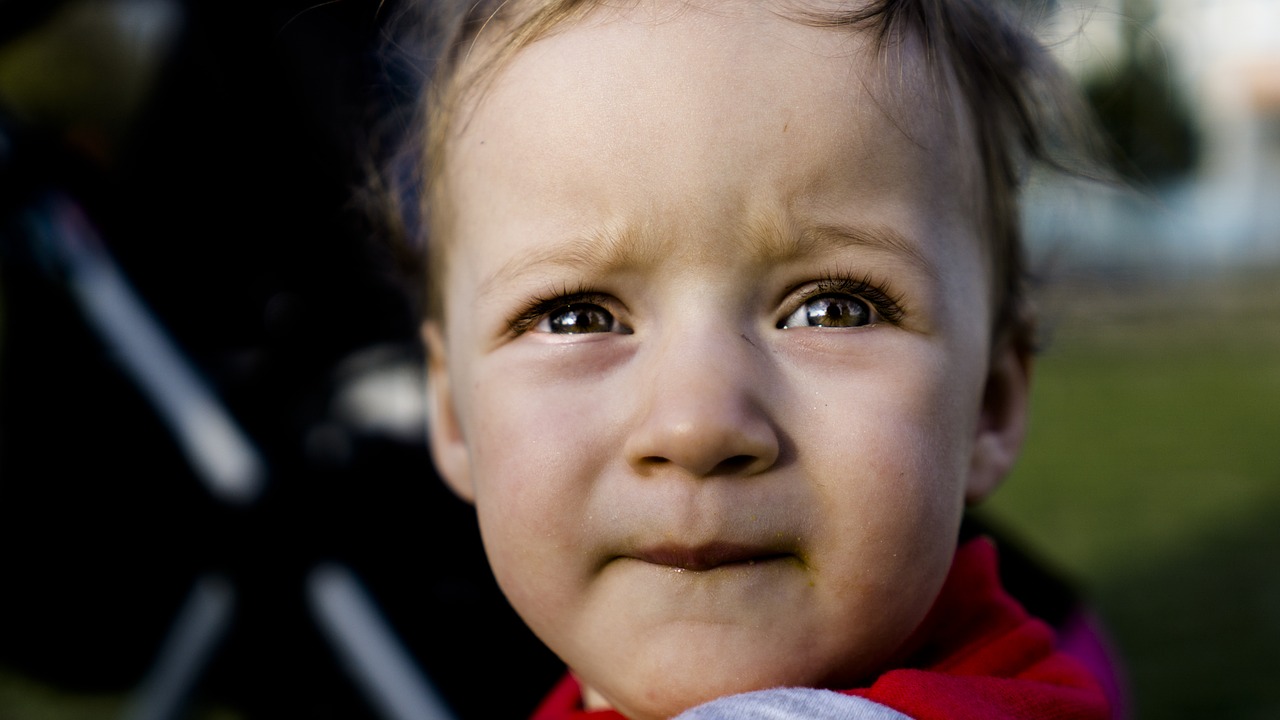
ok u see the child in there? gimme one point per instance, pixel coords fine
(726, 328)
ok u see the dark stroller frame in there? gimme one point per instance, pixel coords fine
(233, 471)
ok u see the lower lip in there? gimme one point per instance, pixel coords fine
(762, 560)
(708, 558)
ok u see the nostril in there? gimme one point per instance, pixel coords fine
(728, 466)
(735, 464)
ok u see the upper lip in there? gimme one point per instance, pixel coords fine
(706, 556)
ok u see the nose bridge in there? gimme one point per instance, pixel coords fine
(702, 408)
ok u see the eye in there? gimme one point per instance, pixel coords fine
(579, 317)
(843, 300)
(569, 312)
(830, 310)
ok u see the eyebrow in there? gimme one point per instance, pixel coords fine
(778, 245)
(594, 254)
(768, 243)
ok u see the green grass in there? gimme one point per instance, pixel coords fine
(24, 699)
(1152, 474)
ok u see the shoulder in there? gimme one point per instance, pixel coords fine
(791, 704)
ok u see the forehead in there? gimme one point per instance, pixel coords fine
(690, 103)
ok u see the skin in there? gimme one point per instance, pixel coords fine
(703, 495)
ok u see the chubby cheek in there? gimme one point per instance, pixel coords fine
(892, 491)
(901, 421)
(925, 440)
(535, 449)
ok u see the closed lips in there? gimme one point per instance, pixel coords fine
(709, 556)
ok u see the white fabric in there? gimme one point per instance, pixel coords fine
(791, 704)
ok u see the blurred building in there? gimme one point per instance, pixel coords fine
(1214, 64)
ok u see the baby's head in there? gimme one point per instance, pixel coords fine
(727, 325)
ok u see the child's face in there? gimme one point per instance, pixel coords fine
(685, 485)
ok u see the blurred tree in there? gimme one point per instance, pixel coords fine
(1140, 107)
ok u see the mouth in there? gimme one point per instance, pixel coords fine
(708, 557)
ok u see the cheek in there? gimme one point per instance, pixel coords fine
(912, 419)
(896, 448)
(532, 435)
(534, 448)
(909, 482)
(891, 501)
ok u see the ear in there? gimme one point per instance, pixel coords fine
(1002, 424)
(444, 432)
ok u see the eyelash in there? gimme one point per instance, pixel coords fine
(879, 295)
(534, 310)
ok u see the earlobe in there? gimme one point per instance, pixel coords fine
(444, 431)
(1002, 424)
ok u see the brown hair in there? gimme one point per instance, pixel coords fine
(1022, 108)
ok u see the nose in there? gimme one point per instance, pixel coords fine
(702, 411)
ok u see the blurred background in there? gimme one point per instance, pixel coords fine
(1152, 469)
(212, 474)
(176, 184)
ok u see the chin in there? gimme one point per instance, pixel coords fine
(665, 702)
(673, 689)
